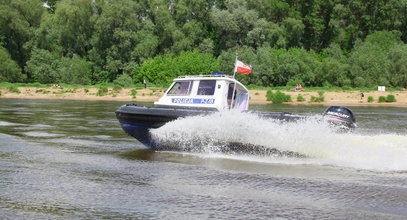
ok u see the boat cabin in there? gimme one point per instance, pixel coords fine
(217, 92)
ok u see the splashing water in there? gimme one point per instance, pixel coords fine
(311, 137)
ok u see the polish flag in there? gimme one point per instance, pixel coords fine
(241, 67)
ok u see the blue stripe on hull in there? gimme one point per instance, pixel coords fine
(140, 132)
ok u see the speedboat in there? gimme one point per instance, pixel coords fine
(203, 95)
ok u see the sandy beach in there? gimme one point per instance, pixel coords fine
(348, 98)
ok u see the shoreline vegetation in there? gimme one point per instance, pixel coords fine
(311, 96)
(351, 44)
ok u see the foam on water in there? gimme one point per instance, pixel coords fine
(5, 123)
(41, 134)
(312, 138)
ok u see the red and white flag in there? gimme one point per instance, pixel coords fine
(241, 67)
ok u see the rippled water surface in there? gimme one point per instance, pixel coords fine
(71, 160)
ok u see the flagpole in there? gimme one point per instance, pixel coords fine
(234, 86)
(234, 69)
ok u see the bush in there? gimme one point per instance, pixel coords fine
(42, 91)
(300, 98)
(133, 93)
(391, 98)
(123, 80)
(102, 91)
(370, 99)
(382, 99)
(117, 88)
(13, 89)
(278, 97)
(74, 70)
(321, 97)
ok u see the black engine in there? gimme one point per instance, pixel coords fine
(340, 117)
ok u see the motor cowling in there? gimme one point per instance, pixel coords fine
(340, 117)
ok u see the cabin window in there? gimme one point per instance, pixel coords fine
(206, 87)
(230, 93)
(180, 88)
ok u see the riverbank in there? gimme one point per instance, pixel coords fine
(348, 98)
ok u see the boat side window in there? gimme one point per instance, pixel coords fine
(180, 88)
(206, 87)
(230, 93)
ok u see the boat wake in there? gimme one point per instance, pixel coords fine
(308, 141)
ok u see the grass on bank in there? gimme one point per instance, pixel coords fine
(77, 86)
(165, 86)
(325, 89)
(13, 89)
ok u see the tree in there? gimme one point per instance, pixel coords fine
(163, 68)
(74, 26)
(74, 70)
(18, 20)
(9, 70)
(369, 61)
(119, 39)
(272, 10)
(398, 66)
(233, 24)
(43, 66)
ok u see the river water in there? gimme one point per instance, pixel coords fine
(71, 160)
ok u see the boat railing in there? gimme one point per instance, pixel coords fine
(205, 76)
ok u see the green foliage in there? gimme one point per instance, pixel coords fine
(13, 89)
(133, 93)
(315, 43)
(123, 80)
(72, 25)
(370, 99)
(102, 91)
(376, 61)
(162, 69)
(65, 91)
(19, 19)
(277, 97)
(43, 66)
(300, 98)
(74, 70)
(9, 70)
(320, 98)
(382, 99)
(116, 88)
(43, 91)
(391, 98)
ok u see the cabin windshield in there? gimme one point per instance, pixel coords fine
(206, 87)
(180, 88)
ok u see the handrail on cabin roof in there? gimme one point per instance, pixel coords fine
(205, 76)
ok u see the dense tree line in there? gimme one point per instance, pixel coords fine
(355, 43)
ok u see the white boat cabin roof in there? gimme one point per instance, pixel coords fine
(206, 92)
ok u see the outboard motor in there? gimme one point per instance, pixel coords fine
(340, 117)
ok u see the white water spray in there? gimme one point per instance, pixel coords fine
(312, 138)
